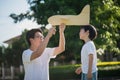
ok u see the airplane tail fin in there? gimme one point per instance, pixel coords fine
(85, 10)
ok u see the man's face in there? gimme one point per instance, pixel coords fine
(83, 34)
(38, 38)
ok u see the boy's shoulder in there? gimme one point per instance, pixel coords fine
(89, 44)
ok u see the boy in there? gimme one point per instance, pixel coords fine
(88, 53)
(36, 58)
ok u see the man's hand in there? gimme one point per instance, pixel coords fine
(62, 27)
(61, 46)
(51, 32)
(78, 70)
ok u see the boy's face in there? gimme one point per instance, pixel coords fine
(38, 38)
(83, 34)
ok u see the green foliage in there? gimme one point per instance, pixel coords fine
(13, 53)
(1, 56)
(106, 17)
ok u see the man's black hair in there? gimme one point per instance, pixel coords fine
(31, 34)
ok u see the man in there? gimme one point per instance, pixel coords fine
(36, 58)
(88, 53)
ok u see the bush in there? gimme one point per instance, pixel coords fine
(109, 69)
(67, 72)
(21, 76)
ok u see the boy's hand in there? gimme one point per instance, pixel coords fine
(62, 27)
(89, 76)
(78, 70)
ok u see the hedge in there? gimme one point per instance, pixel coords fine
(67, 72)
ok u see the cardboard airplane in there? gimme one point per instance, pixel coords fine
(82, 19)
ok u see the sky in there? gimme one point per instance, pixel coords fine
(9, 29)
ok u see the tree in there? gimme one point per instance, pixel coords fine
(1, 55)
(13, 53)
(105, 16)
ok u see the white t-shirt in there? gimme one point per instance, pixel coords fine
(88, 48)
(37, 69)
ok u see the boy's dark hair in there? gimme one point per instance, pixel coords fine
(92, 31)
(31, 34)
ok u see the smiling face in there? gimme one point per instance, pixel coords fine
(37, 40)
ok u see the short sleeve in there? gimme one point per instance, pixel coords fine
(91, 49)
(50, 52)
(26, 56)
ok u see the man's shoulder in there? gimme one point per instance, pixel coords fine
(26, 51)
